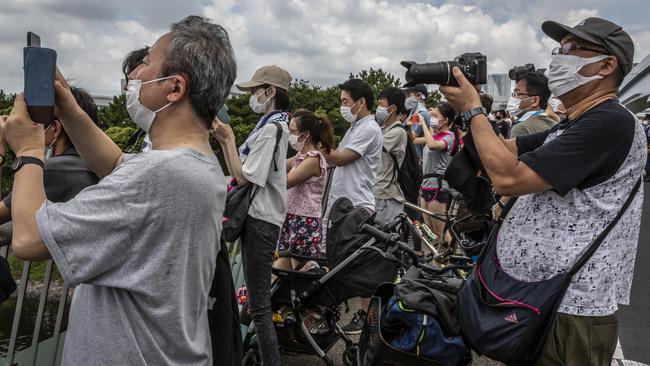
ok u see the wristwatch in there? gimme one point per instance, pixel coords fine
(468, 115)
(21, 161)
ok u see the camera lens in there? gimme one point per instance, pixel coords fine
(434, 73)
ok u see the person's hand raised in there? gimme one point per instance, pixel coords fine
(21, 132)
(3, 143)
(222, 132)
(463, 97)
(64, 102)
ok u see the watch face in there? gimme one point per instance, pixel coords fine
(15, 164)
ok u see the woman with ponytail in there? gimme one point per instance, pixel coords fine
(309, 134)
(440, 144)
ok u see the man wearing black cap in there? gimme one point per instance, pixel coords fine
(571, 181)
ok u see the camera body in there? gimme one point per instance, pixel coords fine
(472, 64)
(516, 71)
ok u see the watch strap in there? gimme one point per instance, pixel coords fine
(468, 115)
(24, 160)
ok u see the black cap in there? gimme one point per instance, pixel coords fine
(598, 31)
(421, 88)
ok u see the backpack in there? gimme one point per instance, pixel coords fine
(409, 174)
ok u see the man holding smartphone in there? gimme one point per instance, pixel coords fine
(141, 244)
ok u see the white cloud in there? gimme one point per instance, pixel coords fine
(70, 41)
(321, 41)
(576, 16)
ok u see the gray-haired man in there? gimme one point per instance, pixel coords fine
(140, 245)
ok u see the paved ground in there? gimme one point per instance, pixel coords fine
(635, 320)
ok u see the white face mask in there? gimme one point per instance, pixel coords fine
(563, 73)
(381, 115)
(346, 113)
(255, 104)
(411, 102)
(513, 106)
(141, 115)
(294, 143)
(434, 122)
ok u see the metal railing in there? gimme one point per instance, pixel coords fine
(31, 355)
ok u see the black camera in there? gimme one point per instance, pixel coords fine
(514, 73)
(473, 65)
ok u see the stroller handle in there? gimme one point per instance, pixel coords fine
(390, 238)
(393, 239)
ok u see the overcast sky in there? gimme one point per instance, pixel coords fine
(317, 40)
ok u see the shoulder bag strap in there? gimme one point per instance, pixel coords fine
(278, 137)
(506, 209)
(599, 240)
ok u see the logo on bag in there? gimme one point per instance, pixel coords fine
(512, 318)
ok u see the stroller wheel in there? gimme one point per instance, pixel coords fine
(350, 356)
(251, 358)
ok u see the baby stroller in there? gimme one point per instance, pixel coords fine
(358, 263)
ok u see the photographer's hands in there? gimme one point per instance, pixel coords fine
(463, 97)
(222, 132)
(25, 136)
(97, 150)
(226, 137)
(64, 102)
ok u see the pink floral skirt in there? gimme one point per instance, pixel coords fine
(301, 235)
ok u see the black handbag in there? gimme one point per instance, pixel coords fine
(507, 319)
(239, 200)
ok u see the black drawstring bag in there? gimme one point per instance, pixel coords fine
(507, 319)
(7, 283)
(238, 201)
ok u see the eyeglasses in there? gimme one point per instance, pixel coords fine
(515, 94)
(567, 47)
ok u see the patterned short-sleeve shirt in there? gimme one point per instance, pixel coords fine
(592, 164)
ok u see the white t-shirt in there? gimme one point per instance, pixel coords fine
(270, 201)
(355, 180)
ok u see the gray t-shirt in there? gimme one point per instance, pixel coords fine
(394, 145)
(140, 246)
(64, 176)
(436, 161)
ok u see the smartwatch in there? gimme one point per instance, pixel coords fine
(21, 161)
(468, 115)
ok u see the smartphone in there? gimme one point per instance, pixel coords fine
(39, 67)
(223, 115)
(33, 40)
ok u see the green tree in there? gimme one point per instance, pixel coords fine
(120, 135)
(378, 79)
(433, 98)
(6, 102)
(115, 114)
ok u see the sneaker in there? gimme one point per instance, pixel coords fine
(356, 324)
